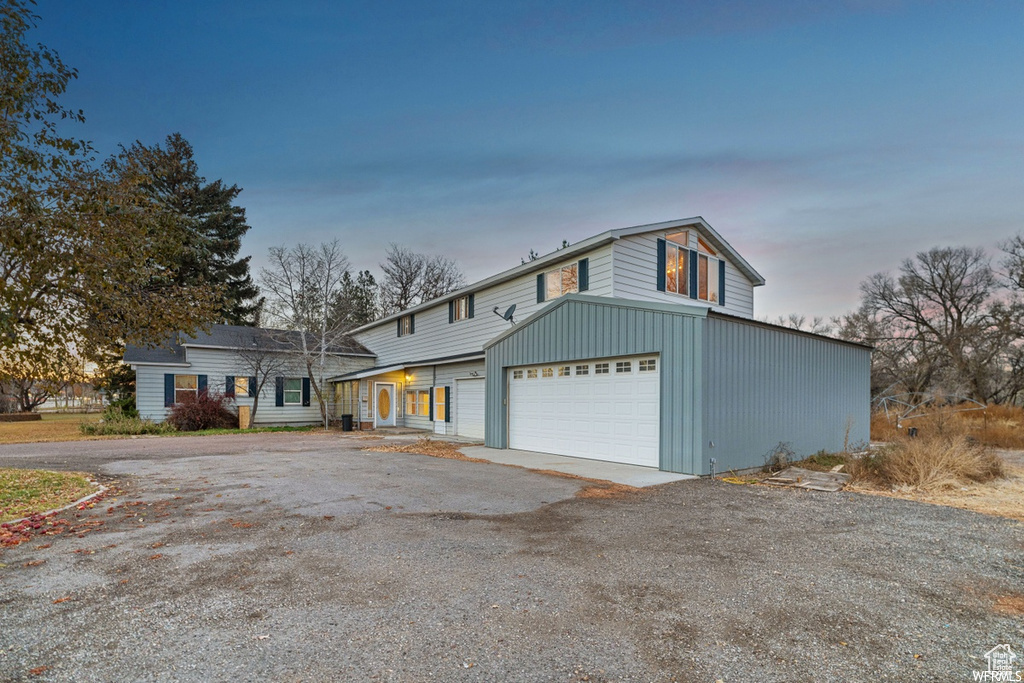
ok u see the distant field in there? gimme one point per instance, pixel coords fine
(53, 427)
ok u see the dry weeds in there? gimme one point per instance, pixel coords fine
(999, 426)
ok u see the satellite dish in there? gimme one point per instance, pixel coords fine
(507, 315)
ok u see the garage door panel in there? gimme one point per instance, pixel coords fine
(612, 416)
(469, 408)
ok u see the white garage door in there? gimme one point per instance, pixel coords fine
(605, 409)
(469, 408)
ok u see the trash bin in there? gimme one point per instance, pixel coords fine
(346, 423)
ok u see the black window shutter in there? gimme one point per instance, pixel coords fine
(399, 321)
(168, 390)
(305, 391)
(451, 311)
(448, 402)
(583, 275)
(470, 306)
(661, 265)
(279, 391)
(721, 283)
(693, 274)
(412, 323)
(431, 415)
(252, 387)
(202, 384)
(229, 386)
(540, 288)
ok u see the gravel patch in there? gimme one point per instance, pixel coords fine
(279, 558)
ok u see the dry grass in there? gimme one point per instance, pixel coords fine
(928, 463)
(998, 426)
(56, 427)
(1000, 498)
(27, 492)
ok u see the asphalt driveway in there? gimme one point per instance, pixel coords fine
(299, 557)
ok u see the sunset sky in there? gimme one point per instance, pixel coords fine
(825, 141)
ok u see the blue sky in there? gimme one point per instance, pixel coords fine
(825, 141)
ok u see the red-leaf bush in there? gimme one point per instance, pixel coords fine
(205, 410)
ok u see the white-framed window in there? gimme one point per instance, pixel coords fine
(564, 371)
(417, 402)
(648, 365)
(460, 308)
(600, 368)
(531, 373)
(564, 280)
(547, 372)
(678, 264)
(517, 374)
(241, 386)
(406, 325)
(185, 385)
(623, 366)
(292, 391)
(582, 370)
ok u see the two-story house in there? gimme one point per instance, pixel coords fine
(636, 345)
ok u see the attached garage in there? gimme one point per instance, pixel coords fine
(469, 408)
(717, 391)
(603, 409)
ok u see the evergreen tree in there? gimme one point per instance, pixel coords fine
(357, 303)
(211, 219)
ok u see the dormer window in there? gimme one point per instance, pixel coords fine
(695, 273)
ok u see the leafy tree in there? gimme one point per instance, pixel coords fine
(213, 224)
(411, 278)
(302, 285)
(85, 259)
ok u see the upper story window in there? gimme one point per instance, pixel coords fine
(696, 273)
(461, 308)
(568, 279)
(406, 325)
(561, 281)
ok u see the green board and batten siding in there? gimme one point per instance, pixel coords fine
(579, 327)
(765, 386)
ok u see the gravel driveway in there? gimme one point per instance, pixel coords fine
(285, 557)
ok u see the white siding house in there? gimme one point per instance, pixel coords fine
(210, 361)
(428, 350)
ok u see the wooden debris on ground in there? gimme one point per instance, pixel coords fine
(800, 478)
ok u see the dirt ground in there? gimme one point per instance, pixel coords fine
(288, 557)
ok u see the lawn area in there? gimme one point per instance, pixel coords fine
(53, 427)
(26, 492)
